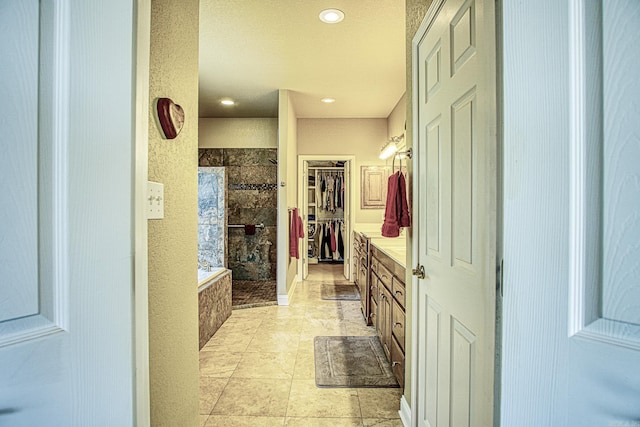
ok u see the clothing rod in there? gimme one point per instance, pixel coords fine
(328, 168)
(261, 225)
(328, 219)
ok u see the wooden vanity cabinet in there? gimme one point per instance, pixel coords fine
(361, 270)
(388, 301)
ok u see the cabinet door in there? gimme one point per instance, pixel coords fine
(384, 319)
(373, 191)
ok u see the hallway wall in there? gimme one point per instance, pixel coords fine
(357, 137)
(172, 241)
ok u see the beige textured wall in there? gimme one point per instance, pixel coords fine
(397, 118)
(416, 11)
(238, 133)
(288, 168)
(361, 138)
(173, 243)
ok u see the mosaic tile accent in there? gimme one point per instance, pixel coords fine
(253, 186)
(214, 306)
(211, 216)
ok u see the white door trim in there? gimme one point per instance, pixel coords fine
(432, 12)
(302, 187)
(142, 405)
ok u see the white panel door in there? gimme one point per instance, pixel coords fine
(572, 214)
(455, 198)
(66, 242)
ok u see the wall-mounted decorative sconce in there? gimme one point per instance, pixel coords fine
(170, 117)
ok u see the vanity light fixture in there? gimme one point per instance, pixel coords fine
(390, 147)
(227, 101)
(331, 16)
(328, 100)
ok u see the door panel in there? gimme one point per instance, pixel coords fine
(568, 222)
(66, 214)
(18, 164)
(455, 164)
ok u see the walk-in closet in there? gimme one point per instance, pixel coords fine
(326, 211)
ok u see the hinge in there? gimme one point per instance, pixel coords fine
(500, 278)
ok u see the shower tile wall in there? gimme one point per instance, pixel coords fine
(211, 216)
(251, 199)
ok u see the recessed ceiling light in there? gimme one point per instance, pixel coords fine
(328, 100)
(227, 101)
(331, 16)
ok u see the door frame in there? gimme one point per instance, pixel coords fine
(142, 40)
(302, 187)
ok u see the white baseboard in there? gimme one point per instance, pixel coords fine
(286, 299)
(405, 412)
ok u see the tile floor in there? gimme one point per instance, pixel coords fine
(258, 369)
(250, 293)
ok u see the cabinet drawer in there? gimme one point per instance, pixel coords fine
(398, 291)
(374, 265)
(397, 362)
(398, 322)
(385, 276)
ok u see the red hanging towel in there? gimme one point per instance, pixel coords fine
(404, 219)
(296, 233)
(396, 213)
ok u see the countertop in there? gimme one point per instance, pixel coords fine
(394, 247)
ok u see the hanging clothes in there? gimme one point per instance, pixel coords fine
(340, 241)
(325, 246)
(333, 237)
(331, 206)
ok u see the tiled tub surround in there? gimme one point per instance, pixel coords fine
(211, 216)
(214, 303)
(252, 198)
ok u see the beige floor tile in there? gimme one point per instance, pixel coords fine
(210, 390)
(203, 420)
(380, 402)
(282, 325)
(234, 421)
(305, 368)
(218, 364)
(322, 422)
(229, 343)
(378, 422)
(307, 400)
(266, 365)
(278, 342)
(255, 397)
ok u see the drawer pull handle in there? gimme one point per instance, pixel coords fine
(395, 364)
(397, 324)
(398, 293)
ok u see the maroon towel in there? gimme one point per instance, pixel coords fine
(396, 213)
(249, 229)
(295, 233)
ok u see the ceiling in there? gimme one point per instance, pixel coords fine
(251, 48)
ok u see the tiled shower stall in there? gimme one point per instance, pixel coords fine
(251, 199)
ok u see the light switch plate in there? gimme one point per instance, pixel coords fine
(155, 200)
